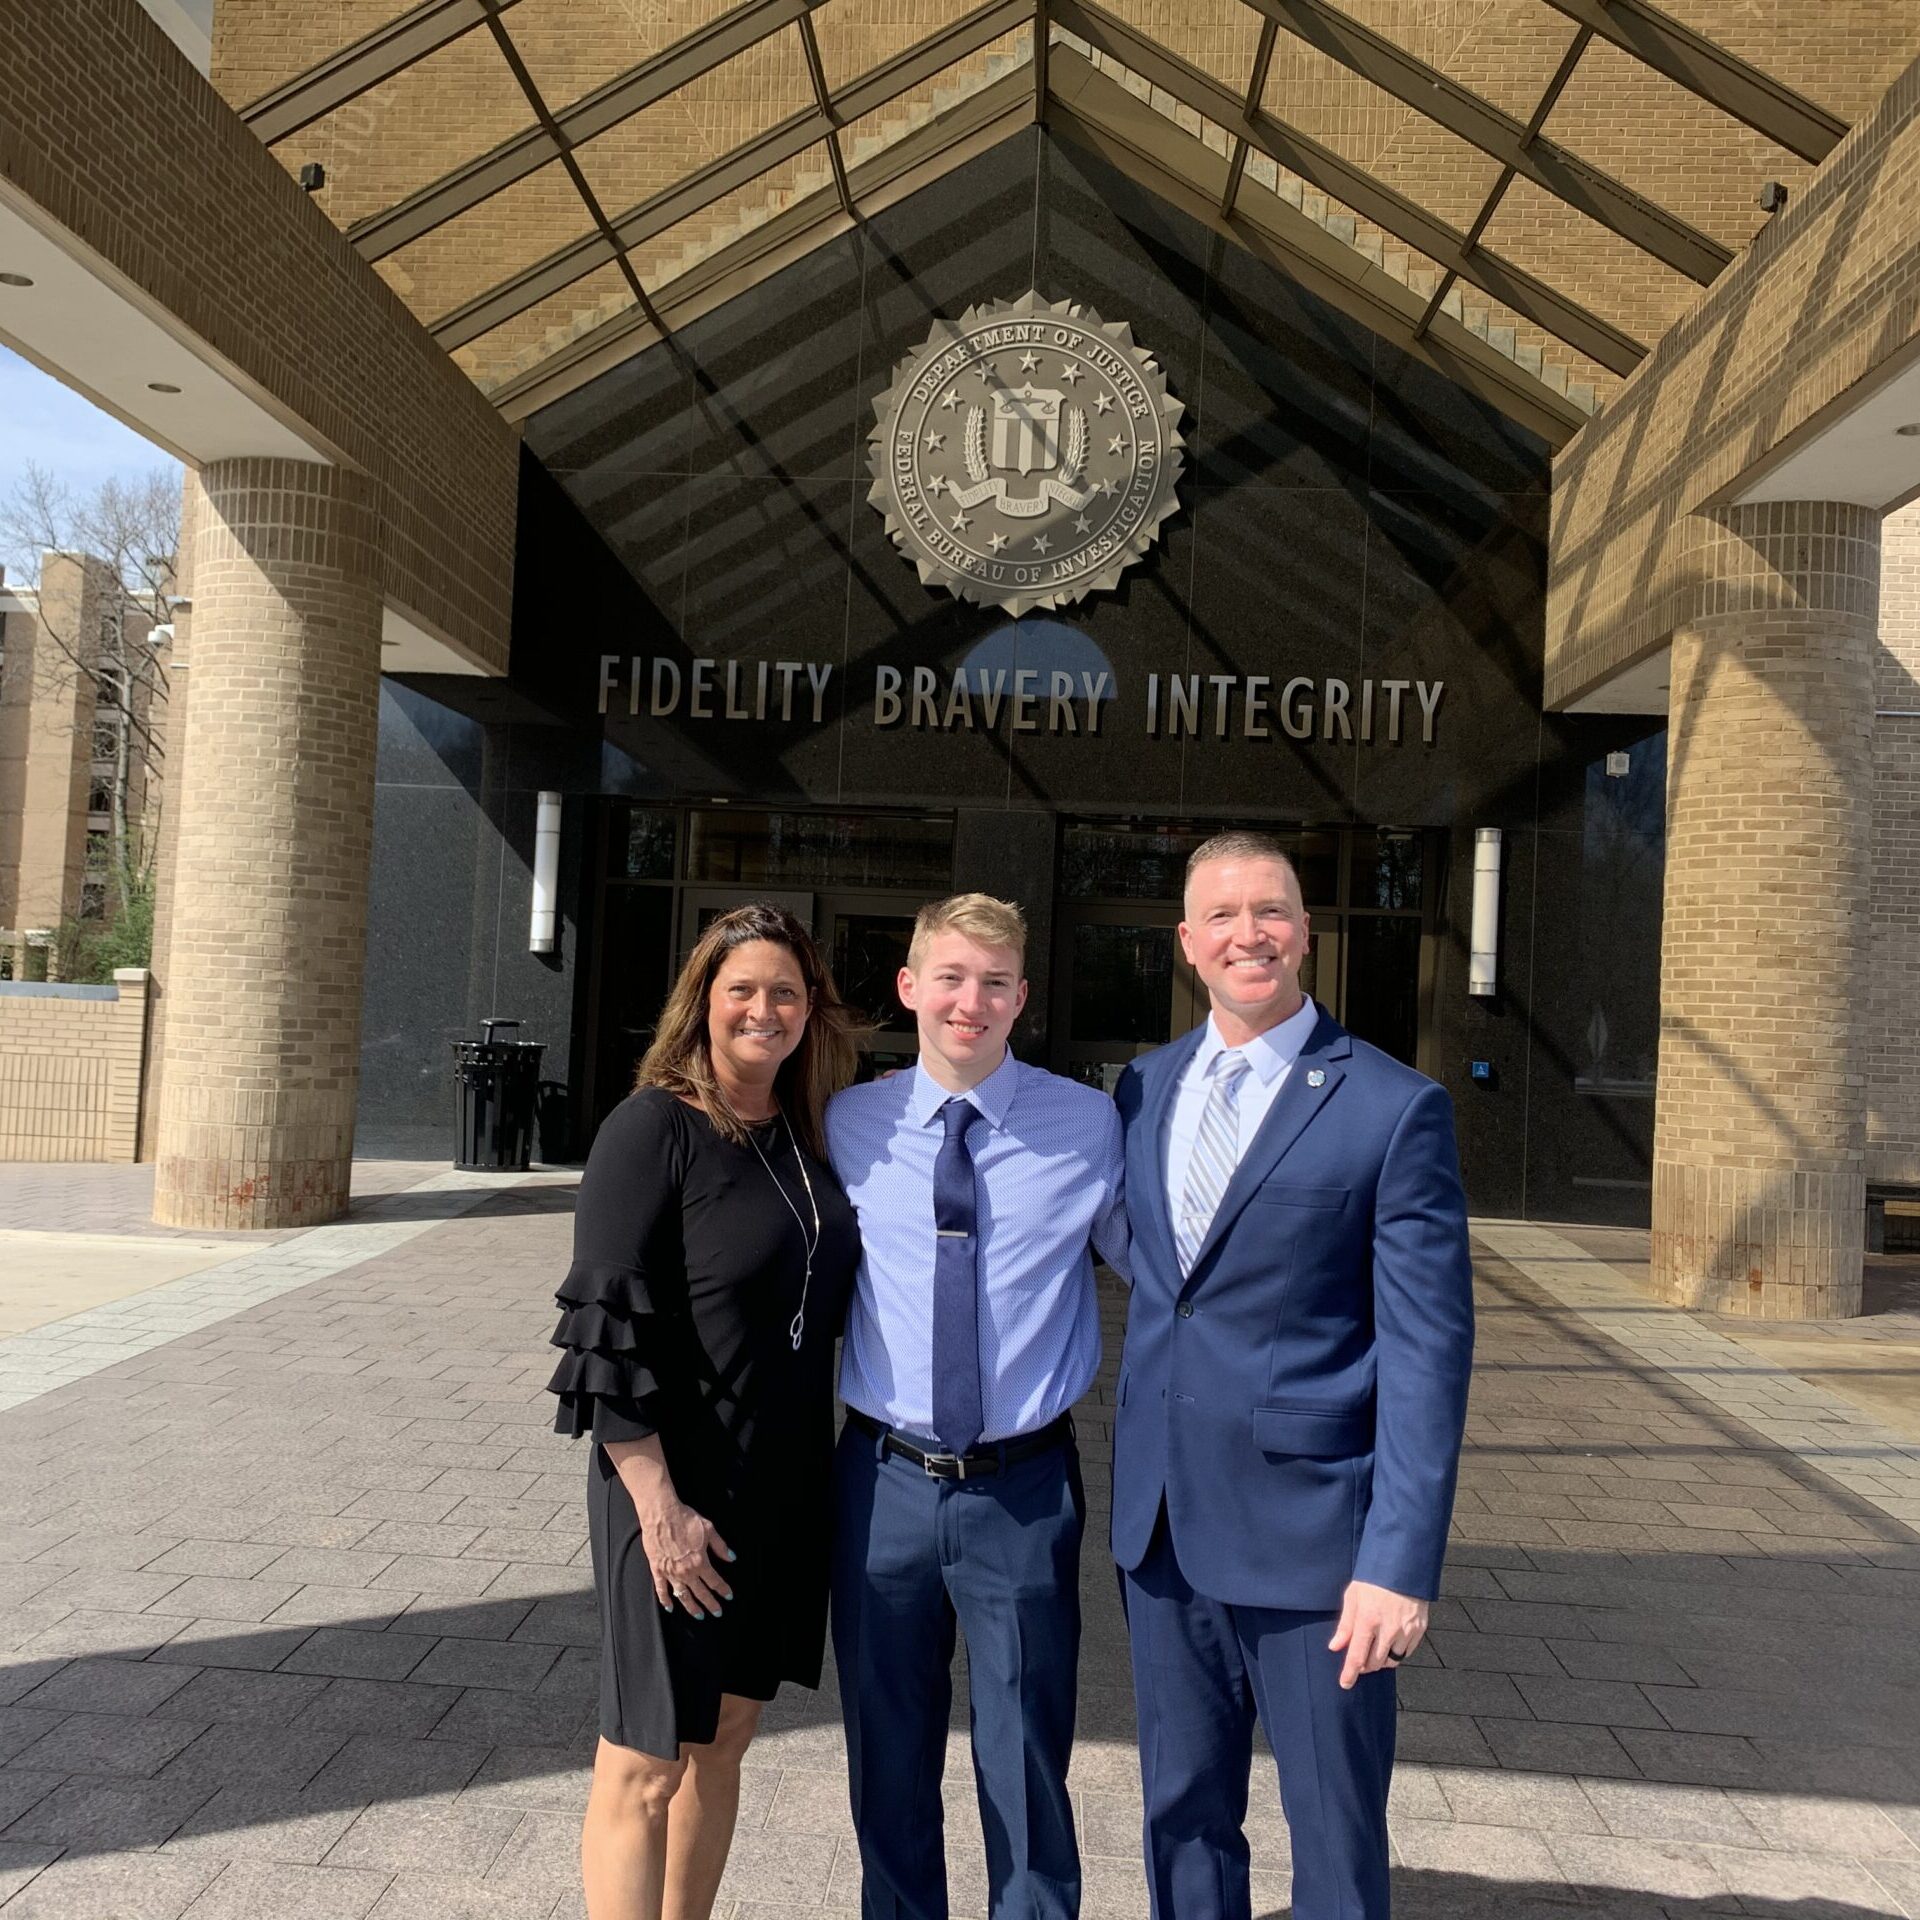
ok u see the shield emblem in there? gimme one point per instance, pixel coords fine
(1026, 429)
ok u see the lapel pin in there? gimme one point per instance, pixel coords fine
(1317, 1077)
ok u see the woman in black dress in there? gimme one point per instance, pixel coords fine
(713, 1255)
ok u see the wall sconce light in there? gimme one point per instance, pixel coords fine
(546, 874)
(1483, 957)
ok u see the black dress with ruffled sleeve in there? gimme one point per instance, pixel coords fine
(675, 1317)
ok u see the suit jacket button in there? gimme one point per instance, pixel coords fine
(1185, 1309)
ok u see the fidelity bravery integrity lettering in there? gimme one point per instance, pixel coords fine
(1250, 706)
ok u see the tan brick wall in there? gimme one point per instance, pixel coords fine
(106, 128)
(70, 1071)
(1893, 900)
(1760, 1123)
(274, 810)
(1827, 294)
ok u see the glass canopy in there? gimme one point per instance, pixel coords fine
(1530, 190)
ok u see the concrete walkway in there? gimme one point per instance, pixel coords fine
(295, 1620)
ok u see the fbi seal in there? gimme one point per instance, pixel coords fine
(1026, 455)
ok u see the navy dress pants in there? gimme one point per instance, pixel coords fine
(1000, 1555)
(1201, 1671)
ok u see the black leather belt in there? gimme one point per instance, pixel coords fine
(964, 1466)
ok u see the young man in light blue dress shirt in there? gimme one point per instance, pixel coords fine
(983, 1189)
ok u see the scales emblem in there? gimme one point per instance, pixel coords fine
(1025, 455)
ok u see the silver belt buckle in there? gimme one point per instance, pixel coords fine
(932, 1464)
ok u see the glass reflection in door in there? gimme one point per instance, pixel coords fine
(866, 948)
(1127, 989)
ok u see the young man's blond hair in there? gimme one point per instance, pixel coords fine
(993, 923)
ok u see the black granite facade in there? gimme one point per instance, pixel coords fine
(1345, 513)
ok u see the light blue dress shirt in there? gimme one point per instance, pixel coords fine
(1269, 1056)
(1048, 1172)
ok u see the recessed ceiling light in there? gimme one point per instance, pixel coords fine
(15, 280)
(161, 386)
(1911, 430)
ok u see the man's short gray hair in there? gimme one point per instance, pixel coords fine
(1238, 843)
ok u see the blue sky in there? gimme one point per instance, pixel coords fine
(78, 444)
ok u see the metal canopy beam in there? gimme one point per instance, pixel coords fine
(1100, 114)
(373, 58)
(1549, 99)
(1711, 73)
(732, 170)
(927, 154)
(1256, 92)
(1586, 332)
(823, 99)
(619, 99)
(1096, 110)
(1042, 48)
(1468, 117)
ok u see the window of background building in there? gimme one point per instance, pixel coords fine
(94, 876)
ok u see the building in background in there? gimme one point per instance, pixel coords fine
(79, 764)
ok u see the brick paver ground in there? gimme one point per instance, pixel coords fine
(295, 1620)
(98, 1197)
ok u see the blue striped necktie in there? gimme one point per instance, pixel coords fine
(1216, 1152)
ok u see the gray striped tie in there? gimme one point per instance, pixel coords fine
(1216, 1151)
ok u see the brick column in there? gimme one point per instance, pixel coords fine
(1760, 1127)
(1893, 993)
(275, 814)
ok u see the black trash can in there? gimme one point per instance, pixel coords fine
(495, 1084)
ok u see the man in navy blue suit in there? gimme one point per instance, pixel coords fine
(1291, 1400)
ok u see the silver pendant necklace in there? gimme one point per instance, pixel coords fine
(797, 1327)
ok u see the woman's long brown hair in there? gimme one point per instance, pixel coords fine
(824, 1061)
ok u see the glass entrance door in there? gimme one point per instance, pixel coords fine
(701, 906)
(1122, 986)
(1125, 987)
(865, 937)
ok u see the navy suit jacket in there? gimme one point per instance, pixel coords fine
(1298, 1400)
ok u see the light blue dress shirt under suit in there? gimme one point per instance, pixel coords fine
(1047, 1167)
(1269, 1056)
